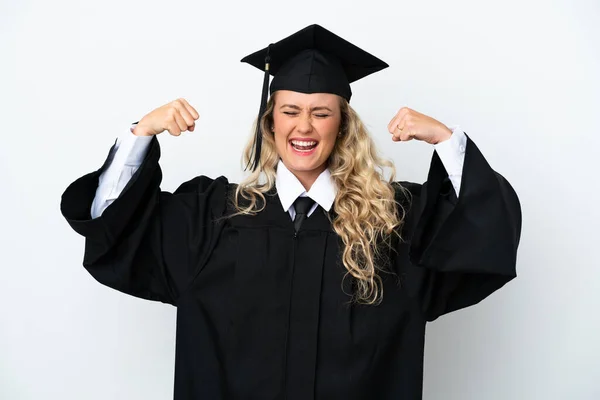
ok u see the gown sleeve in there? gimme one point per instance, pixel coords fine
(148, 243)
(461, 249)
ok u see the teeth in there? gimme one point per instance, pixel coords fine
(303, 143)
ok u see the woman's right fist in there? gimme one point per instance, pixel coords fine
(176, 117)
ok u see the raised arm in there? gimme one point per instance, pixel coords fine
(460, 243)
(144, 243)
(130, 149)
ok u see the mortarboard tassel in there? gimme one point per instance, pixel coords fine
(263, 105)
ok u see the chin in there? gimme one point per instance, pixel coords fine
(304, 165)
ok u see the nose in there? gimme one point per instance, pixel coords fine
(304, 124)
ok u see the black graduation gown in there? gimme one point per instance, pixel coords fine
(263, 313)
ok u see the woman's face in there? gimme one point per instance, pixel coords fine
(306, 127)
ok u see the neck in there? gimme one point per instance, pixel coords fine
(307, 178)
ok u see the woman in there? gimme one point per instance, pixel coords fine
(314, 278)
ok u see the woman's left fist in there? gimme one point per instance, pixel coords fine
(409, 124)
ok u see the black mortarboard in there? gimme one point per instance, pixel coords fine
(312, 60)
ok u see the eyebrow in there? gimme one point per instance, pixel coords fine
(295, 107)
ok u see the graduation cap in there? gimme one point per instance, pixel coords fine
(312, 60)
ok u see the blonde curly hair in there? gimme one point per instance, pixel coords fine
(367, 214)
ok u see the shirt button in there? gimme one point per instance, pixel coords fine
(462, 148)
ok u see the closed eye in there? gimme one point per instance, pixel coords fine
(321, 115)
(290, 113)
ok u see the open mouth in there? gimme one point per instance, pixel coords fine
(304, 146)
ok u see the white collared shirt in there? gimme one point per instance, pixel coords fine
(289, 188)
(130, 151)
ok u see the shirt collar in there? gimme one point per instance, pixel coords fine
(289, 188)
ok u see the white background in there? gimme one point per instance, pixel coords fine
(522, 78)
